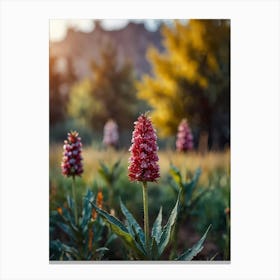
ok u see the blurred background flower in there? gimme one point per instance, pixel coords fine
(110, 134)
(184, 140)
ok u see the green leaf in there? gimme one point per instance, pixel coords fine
(194, 180)
(120, 230)
(110, 239)
(101, 249)
(71, 250)
(176, 175)
(68, 231)
(196, 248)
(189, 187)
(59, 249)
(213, 258)
(174, 186)
(70, 203)
(115, 169)
(166, 233)
(198, 197)
(133, 223)
(154, 249)
(137, 239)
(98, 232)
(105, 173)
(101, 252)
(55, 250)
(109, 218)
(69, 219)
(157, 229)
(87, 209)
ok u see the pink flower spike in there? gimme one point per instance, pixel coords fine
(111, 133)
(143, 162)
(72, 161)
(184, 137)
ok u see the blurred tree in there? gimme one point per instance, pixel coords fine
(82, 107)
(61, 77)
(191, 79)
(109, 94)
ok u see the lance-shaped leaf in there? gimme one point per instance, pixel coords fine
(198, 197)
(67, 230)
(87, 209)
(120, 230)
(154, 249)
(189, 187)
(137, 239)
(196, 248)
(133, 223)
(70, 203)
(174, 186)
(110, 239)
(69, 219)
(105, 172)
(61, 248)
(176, 175)
(101, 249)
(166, 233)
(157, 229)
(70, 250)
(115, 168)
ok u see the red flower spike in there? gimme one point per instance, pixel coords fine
(143, 162)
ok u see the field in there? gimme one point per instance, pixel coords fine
(211, 196)
(167, 97)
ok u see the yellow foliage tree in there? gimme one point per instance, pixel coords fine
(191, 78)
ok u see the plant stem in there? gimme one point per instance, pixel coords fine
(75, 201)
(146, 214)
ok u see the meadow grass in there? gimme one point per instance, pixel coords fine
(209, 162)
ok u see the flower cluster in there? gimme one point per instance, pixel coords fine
(143, 162)
(111, 134)
(72, 159)
(184, 137)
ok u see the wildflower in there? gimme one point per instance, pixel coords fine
(99, 199)
(72, 160)
(59, 210)
(184, 137)
(111, 134)
(99, 203)
(143, 162)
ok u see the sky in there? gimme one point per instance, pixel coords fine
(58, 27)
